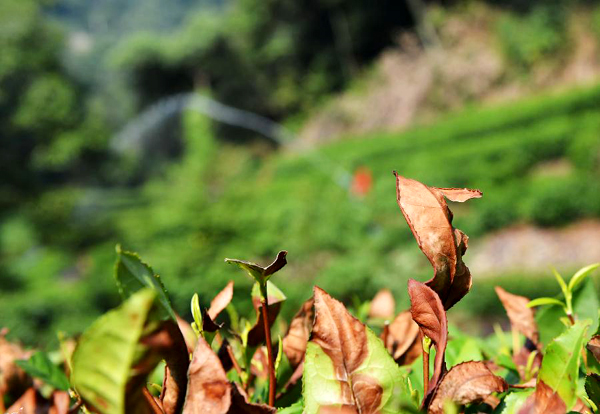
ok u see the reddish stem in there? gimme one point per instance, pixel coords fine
(425, 371)
(272, 379)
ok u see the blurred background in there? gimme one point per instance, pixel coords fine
(194, 130)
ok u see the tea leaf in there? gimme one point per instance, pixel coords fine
(259, 273)
(430, 220)
(40, 366)
(513, 402)
(592, 388)
(111, 361)
(383, 305)
(347, 367)
(561, 282)
(594, 347)
(402, 339)
(545, 301)
(296, 338)
(209, 391)
(543, 401)
(521, 316)
(465, 383)
(581, 274)
(561, 363)
(428, 312)
(132, 274)
(221, 301)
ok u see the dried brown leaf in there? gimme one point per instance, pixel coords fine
(296, 338)
(188, 333)
(13, 380)
(240, 403)
(465, 383)
(402, 339)
(521, 317)
(209, 391)
(221, 301)
(428, 312)
(383, 305)
(430, 220)
(594, 347)
(544, 401)
(31, 402)
(343, 338)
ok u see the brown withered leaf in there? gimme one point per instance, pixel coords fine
(428, 312)
(594, 347)
(168, 342)
(466, 383)
(209, 391)
(188, 333)
(402, 339)
(430, 221)
(383, 305)
(296, 338)
(240, 403)
(31, 402)
(521, 317)
(343, 339)
(13, 380)
(543, 401)
(221, 301)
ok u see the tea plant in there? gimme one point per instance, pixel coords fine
(142, 357)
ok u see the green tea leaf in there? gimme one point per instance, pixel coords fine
(592, 388)
(513, 402)
(120, 349)
(586, 304)
(561, 282)
(561, 362)
(545, 301)
(40, 366)
(296, 408)
(581, 274)
(132, 274)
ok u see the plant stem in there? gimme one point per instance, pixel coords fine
(265, 315)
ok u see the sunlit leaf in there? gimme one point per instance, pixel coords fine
(513, 402)
(581, 274)
(521, 316)
(544, 400)
(430, 220)
(545, 301)
(259, 273)
(132, 274)
(347, 367)
(383, 305)
(220, 301)
(296, 338)
(464, 384)
(402, 339)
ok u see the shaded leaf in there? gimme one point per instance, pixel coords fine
(543, 401)
(430, 221)
(221, 301)
(117, 352)
(402, 339)
(561, 364)
(346, 366)
(40, 366)
(132, 274)
(521, 317)
(31, 402)
(592, 388)
(13, 380)
(594, 347)
(296, 338)
(465, 383)
(259, 273)
(428, 312)
(240, 403)
(209, 391)
(383, 305)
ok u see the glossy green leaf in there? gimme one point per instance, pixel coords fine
(545, 301)
(296, 408)
(132, 274)
(561, 362)
(592, 388)
(513, 402)
(322, 386)
(40, 366)
(108, 351)
(581, 274)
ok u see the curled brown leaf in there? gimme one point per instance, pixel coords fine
(240, 403)
(383, 305)
(209, 391)
(430, 221)
(428, 312)
(296, 338)
(522, 318)
(221, 301)
(465, 383)
(543, 401)
(402, 339)
(594, 347)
